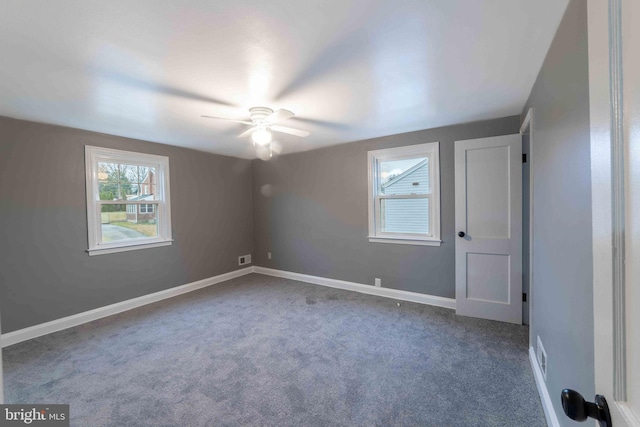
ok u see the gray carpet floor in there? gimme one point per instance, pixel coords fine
(264, 351)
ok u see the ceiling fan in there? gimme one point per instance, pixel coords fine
(263, 121)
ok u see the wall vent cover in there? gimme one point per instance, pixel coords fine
(542, 358)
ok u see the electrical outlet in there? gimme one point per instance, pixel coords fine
(541, 354)
(268, 255)
(378, 282)
(244, 259)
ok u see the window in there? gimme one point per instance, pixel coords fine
(128, 203)
(146, 209)
(404, 195)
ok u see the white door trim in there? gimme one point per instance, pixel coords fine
(618, 199)
(527, 126)
(608, 210)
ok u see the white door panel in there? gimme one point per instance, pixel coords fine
(488, 277)
(488, 192)
(489, 212)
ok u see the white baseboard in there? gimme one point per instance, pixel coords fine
(109, 310)
(364, 289)
(547, 406)
(88, 316)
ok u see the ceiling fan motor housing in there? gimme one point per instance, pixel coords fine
(260, 114)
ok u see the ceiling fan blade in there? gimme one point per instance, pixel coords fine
(248, 132)
(228, 119)
(279, 116)
(290, 131)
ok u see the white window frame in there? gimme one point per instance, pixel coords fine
(430, 150)
(94, 155)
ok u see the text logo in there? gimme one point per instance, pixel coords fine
(34, 415)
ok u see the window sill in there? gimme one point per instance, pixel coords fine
(417, 242)
(131, 247)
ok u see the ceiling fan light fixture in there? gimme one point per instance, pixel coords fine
(262, 136)
(263, 122)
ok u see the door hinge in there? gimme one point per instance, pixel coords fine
(524, 297)
(524, 157)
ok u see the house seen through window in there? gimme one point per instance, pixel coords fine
(127, 200)
(404, 195)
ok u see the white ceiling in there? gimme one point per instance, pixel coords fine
(349, 69)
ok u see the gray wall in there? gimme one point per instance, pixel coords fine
(562, 287)
(310, 211)
(45, 273)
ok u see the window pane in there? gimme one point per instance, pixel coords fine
(142, 192)
(153, 195)
(135, 192)
(407, 176)
(126, 184)
(146, 208)
(107, 172)
(108, 190)
(129, 173)
(113, 191)
(410, 216)
(137, 174)
(114, 181)
(147, 175)
(125, 222)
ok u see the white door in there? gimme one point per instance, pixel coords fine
(614, 97)
(489, 228)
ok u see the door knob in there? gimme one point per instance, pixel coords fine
(461, 234)
(577, 409)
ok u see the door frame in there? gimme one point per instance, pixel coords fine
(527, 126)
(608, 210)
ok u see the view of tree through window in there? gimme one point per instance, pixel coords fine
(128, 203)
(125, 182)
(117, 181)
